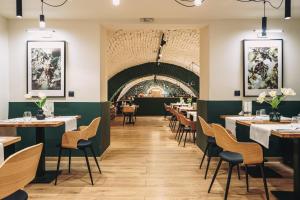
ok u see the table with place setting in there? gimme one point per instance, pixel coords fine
(70, 123)
(260, 131)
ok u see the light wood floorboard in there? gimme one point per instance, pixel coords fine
(144, 162)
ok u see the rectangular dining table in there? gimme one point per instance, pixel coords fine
(42, 175)
(295, 136)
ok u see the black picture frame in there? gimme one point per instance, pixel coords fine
(45, 46)
(262, 43)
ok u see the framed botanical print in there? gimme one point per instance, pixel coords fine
(46, 68)
(263, 66)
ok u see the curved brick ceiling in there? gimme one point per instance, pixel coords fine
(127, 48)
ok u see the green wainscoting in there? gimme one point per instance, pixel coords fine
(211, 111)
(119, 80)
(88, 111)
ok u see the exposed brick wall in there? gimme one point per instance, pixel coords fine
(127, 48)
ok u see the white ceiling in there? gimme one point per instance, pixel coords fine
(134, 9)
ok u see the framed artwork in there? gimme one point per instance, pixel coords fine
(46, 68)
(263, 66)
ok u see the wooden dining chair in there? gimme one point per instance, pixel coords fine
(17, 171)
(211, 141)
(128, 113)
(189, 127)
(235, 153)
(79, 140)
(167, 109)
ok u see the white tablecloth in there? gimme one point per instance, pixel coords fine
(192, 113)
(185, 108)
(70, 121)
(230, 122)
(261, 132)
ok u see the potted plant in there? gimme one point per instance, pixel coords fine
(40, 103)
(274, 100)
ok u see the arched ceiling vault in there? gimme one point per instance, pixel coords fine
(127, 48)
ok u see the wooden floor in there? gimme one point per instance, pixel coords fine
(145, 162)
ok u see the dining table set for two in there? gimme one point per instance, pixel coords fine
(261, 128)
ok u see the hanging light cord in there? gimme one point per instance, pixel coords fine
(183, 3)
(54, 5)
(264, 1)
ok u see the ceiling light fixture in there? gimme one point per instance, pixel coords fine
(162, 43)
(42, 19)
(190, 3)
(288, 9)
(264, 20)
(116, 2)
(19, 9)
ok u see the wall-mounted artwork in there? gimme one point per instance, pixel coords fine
(46, 67)
(263, 66)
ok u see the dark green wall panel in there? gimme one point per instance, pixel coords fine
(88, 111)
(118, 81)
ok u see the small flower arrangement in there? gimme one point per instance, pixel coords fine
(189, 100)
(275, 99)
(42, 98)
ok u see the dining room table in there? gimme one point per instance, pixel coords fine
(70, 122)
(261, 130)
(7, 146)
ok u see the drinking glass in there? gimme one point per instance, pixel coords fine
(27, 116)
(294, 122)
(262, 112)
(257, 113)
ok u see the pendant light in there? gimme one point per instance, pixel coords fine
(19, 9)
(288, 8)
(42, 22)
(264, 22)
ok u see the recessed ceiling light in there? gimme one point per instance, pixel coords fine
(116, 2)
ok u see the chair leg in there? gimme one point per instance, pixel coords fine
(238, 171)
(265, 180)
(208, 162)
(215, 175)
(186, 133)
(247, 179)
(194, 137)
(180, 138)
(70, 155)
(124, 120)
(228, 180)
(93, 152)
(58, 164)
(88, 165)
(205, 152)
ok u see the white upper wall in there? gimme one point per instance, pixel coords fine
(4, 69)
(226, 55)
(82, 57)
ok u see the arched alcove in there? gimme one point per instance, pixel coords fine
(118, 81)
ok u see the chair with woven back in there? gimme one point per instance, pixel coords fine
(189, 127)
(234, 152)
(17, 171)
(79, 140)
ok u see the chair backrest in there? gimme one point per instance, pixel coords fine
(206, 128)
(71, 138)
(128, 109)
(167, 108)
(187, 122)
(252, 152)
(19, 169)
(91, 130)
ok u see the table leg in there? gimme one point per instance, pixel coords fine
(42, 176)
(295, 195)
(296, 164)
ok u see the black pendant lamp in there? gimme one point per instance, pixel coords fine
(19, 9)
(288, 8)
